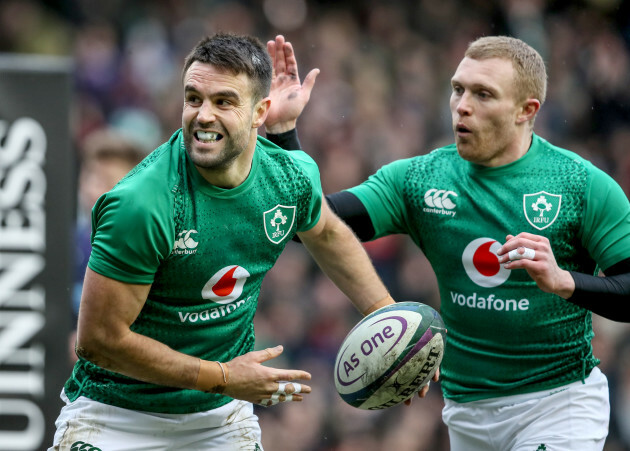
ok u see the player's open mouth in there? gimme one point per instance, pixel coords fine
(462, 129)
(208, 137)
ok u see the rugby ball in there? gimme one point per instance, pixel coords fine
(390, 355)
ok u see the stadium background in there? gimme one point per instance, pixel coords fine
(382, 95)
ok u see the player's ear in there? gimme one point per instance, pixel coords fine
(529, 108)
(261, 109)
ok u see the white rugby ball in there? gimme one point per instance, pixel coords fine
(390, 355)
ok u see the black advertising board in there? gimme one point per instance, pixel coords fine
(36, 222)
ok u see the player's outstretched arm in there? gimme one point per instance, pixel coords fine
(343, 259)
(288, 96)
(104, 337)
(246, 378)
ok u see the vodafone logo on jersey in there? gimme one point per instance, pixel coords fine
(226, 285)
(482, 263)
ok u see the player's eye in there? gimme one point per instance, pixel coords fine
(224, 102)
(193, 98)
(484, 94)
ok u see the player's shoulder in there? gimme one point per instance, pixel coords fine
(445, 151)
(562, 154)
(282, 156)
(558, 157)
(159, 169)
(156, 177)
(439, 159)
(442, 159)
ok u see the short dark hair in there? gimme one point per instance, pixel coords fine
(237, 54)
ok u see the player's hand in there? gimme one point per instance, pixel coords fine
(540, 264)
(425, 389)
(263, 385)
(288, 96)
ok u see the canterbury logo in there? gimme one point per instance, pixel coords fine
(82, 446)
(185, 242)
(439, 198)
(440, 201)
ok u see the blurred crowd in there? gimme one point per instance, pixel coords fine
(382, 95)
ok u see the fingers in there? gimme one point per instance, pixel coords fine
(278, 374)
(269, 353)
(285, 63)
(280, 62)
(254, 381)
(309, 82)
(425, 388)
(521, 252)
(291, 62)
(421, 393)
(522, 239)
(286, 392)
(282, 57)
(271, 49)
(522, 246)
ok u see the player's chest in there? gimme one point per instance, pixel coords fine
(462, 218)
(260, 220)
(494, 205)
(229, 239)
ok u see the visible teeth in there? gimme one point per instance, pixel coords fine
(207, 136)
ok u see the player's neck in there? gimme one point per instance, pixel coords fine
(515, 150)
(521, 146)
(231, 175)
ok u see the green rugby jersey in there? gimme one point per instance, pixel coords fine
(505, 336)
(205, 250)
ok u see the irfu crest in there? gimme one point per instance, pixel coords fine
(278, 222)
(541, 208)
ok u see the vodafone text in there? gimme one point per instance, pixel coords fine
(489, 303)
(210, 314)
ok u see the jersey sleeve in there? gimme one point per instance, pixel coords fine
(383, 197)
(129, 237)
(315, 203)
(606, 227)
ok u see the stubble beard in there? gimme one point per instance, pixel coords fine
(230, 151)
(482, 146)
(468, 148)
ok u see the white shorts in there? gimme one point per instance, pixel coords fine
(571, 417)
(88, 425)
